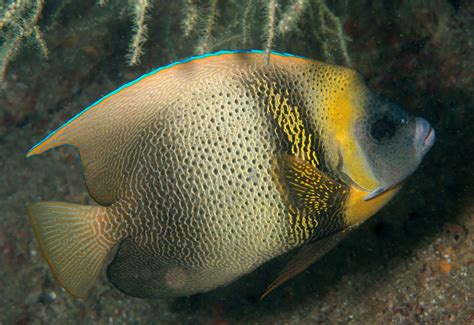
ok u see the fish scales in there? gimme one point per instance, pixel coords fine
(210, 168)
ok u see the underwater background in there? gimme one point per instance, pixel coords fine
(411, 263)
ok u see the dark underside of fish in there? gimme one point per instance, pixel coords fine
(207, 168)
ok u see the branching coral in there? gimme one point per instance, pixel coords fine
(18, 23)
(248, 17)
(191, 17)
(291, 16)
(204, 44)
(329, 32)
(270, 32)
(327, 29)
(140, 8)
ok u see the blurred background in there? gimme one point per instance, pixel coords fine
(410, 263)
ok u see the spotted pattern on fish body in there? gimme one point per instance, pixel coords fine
(206, 170)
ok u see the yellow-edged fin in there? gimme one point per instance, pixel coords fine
(304, 258)
(68, 235)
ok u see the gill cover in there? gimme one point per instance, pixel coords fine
(344, 106)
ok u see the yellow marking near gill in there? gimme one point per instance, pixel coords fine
(342, 113)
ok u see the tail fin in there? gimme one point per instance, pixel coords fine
(68, 235)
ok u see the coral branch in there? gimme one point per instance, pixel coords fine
(329, 30)
(38, 36)
(205, 41)
(191, 17)
(291, 16)
(270, 34)
(10, 13)
(140, 31)
(7, 53)
(19, 22)
(249, 14)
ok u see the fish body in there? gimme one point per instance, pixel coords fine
(206, 169)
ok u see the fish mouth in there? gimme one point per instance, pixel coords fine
(429, 139)
(425, 136)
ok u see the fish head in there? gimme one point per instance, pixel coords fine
(377, 144)
(392, 141)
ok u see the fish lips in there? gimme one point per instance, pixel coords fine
(425, 137)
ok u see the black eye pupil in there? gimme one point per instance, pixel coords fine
(383, 129)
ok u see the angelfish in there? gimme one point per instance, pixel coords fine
(209, 167)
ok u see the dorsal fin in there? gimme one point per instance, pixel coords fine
(105, 137)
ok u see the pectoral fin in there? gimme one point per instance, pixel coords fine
(305, 187)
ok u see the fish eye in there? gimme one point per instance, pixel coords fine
(383, 129)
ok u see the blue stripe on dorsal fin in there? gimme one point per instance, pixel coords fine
(193, 58)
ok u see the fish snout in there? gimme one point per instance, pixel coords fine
(424, 136)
